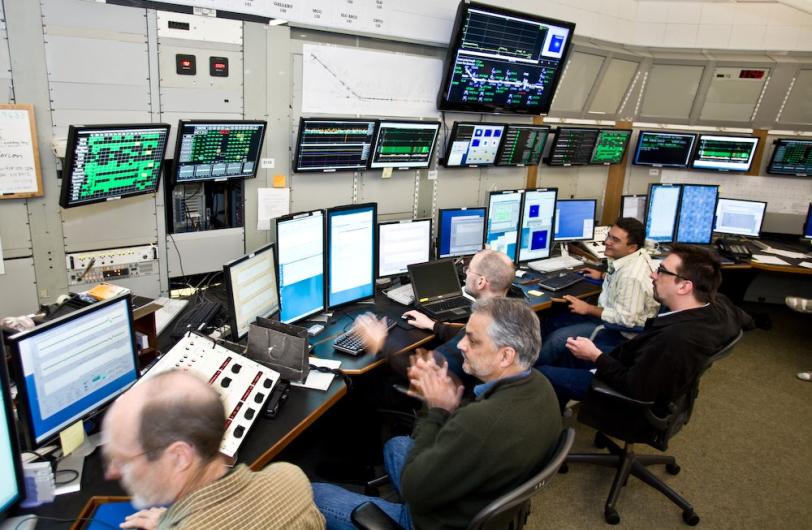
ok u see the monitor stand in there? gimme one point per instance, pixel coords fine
(74, 463)
(22, 522)
(564, 249)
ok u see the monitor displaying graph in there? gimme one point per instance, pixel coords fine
(333, 145)
(404, 144)
(218, 150)
(522, 145)
(610, 146)
(724, 153)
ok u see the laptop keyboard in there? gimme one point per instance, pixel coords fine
(448, 305)
(559, 280)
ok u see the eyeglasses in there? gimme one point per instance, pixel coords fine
(109, 460)
(467, 269)
(663, 270)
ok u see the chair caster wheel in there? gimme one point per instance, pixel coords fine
(611, 516)
(600, 440)
(564, 469)
(690, 517)
(673, 469)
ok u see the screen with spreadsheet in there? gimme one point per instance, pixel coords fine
(538, 218)
(403, 243)
(739, 217)
(696, 214)
(572, 147)
(661, 216)
(522, 145)
(333, 145)
(300, 255)
(459, 231)
(351, 251)
(218, 150)
(251, 287)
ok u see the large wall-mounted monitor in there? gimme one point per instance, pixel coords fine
(12, 487)
(68, 369)
(572, 146)
(460, 231)
(739, 217)
(351, 253)
(217, 150)
(633, 206)
(473, 144)
(504, 214)
(300, 258)
(663, 149)
(538, 222)
(403, 243)
(326, 145)
(522, 145)
(610, 146)
(696, 213)
(575, 219)
(661, 216)
(503, 61)
(724, 153)
(252, 288)
(808, 224)
(791, 157)
(108, 162)
(404, 144)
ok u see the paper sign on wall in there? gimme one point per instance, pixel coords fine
(271, 203)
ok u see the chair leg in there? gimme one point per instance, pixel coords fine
(640, 471)
(653, 460)
(598, 459)
(621, 477)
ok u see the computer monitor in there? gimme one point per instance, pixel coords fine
(573, 146)
(808, 223)
(403, 243)
(71, 367)
(739, 217)
(504, 212)
(252, 288)
(300, 258)
(724, 153)
(610, 146)
(460, 231)
(108, 162)
(661, 216)
(522, 145)
(538, 220)
(473, 144)
(351, 253)
(791, 157)
(404, 144)
(218, 150)
(633, 206)
(663, 149)
(575, 219)
(696, 213)
(503, 61)
(327, 145)
(12, 487)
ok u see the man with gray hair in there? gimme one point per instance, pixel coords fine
(461, 457)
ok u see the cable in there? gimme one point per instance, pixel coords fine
(68, 481)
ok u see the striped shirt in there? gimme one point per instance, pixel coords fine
(627, 297)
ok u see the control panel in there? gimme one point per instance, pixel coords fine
(94, 266)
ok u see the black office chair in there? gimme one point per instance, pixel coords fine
(508, 512)
(633, 421)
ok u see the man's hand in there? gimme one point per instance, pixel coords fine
(432, 384)
(371, 331)
(418, 320)
(146, 519)
(583, 348)
(589, 272)
(578, 306)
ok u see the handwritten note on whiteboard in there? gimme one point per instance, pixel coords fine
(19, 161)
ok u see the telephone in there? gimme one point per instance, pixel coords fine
(733, 250)
(596, 246)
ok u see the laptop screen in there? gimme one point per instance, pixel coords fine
(433, 280)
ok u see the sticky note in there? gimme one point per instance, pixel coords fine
(279, 181)
(72, 437)
(535, 293)
(387, 173)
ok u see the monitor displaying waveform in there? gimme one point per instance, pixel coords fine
(218, 150)
(663, 149)
(572, 146)
(333, 144)
(724, 153)
(610, 146)
(404, 144)
(791, 157)
(522, 145)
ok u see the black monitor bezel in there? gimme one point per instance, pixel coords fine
(519, 260)
(807, 228)
(653, 185)
(453, 135)
(695, 154)
(679, 213)
(502, 145)
(232, 309)
(623, 154)
(549, 160)
(14, 442)
(399, 222)
(455, 44)
(293, 217)
(374, 146)
(70, 153)
(327, 257)
(295, 162)
(776, 143)
(647, 164)
(594, 218)
(23, 410)
(715, 217)
(635, 196)
(179, 138)
(440, 231)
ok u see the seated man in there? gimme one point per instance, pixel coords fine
(462, 457)
(657, 364)
(162, 440)
(626, 298)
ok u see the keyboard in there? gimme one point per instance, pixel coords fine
(448, 305)
(559, 280)
(169, 312)
(554, 264)
(351, 343)
(759, 244)
(403, 295)
(196, 318)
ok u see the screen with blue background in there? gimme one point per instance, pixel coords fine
(351, 254)
(575, 220)
(460, 232)
(9, 491)
(538, 214)
(696, 214)
(808, 224)
(300, 245)
(504, 210)
(661, 217)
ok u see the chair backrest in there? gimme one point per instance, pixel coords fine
(510, 510)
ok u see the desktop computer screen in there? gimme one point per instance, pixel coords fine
(12, 487)
(218, 150)
(739, 217)
(522, 145)
(300, 257)
(504, 209)
(538, 219)
(351, 251)
(251, 286)
(333, 145)
(791, 157)
(661, 217)
(634, 206)
(460, 231)
(663, 149)
(575, 219)
(404, 144)
(69, 368)
(808, 223)
(610, 146)
(724, 153)
(106, 162)
(473, 144)
(573, 146)
(403, 243)
(696, 214)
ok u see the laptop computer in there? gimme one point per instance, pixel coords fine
(437, 290)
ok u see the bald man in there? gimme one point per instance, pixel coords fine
(161, 441)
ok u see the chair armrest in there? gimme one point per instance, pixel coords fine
(602, 388)
(368, 516)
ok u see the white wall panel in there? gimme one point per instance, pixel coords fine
(671, 91)
(18, 288)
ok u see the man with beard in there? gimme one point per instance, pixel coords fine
(162, 439)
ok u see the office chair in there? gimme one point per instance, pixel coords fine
(508, 512)
(634, 421)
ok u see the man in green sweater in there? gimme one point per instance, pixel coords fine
(463, 456)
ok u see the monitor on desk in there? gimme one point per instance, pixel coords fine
(459, 231)
(326, 145)
(351, 253)
(696, 214)
(575, 219)
(12, 487)
(217, 150)
(473, 144)
(252, 291)
(661, 216)
(403, 243)
(808, 223)
(300, 257)
(504, 209)
(537, 222)
(522, 145)
(633, 206)
(739, 217)
(68, 369)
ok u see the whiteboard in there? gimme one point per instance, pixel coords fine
(20, 175)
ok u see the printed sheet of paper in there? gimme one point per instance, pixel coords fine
(271, 203)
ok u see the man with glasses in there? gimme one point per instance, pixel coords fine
(161, 440)
(657, 364)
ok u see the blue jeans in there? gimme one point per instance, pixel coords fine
(571, 381)
(557, 329)
(336, 503)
